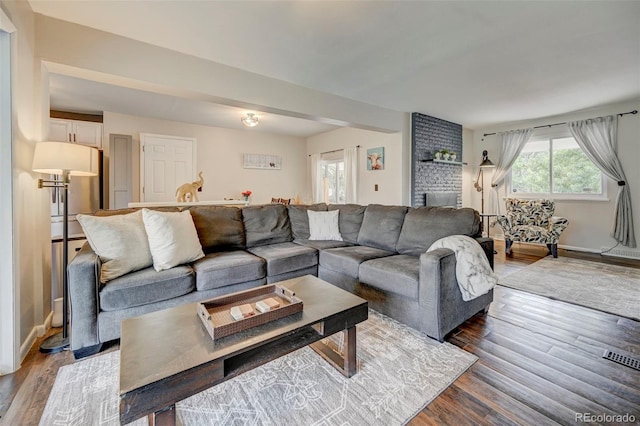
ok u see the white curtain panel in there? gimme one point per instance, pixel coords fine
(512, 143)
(351, 174)
(598, 139)
(316, 178)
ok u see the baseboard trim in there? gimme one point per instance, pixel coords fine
(28, 343)
(37, 331)
(582, 249)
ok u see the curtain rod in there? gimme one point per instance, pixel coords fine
(635, 111)
(335, 150)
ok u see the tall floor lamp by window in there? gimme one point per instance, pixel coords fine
(479, 183)
(65, 160)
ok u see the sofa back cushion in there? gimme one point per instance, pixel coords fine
(350, 220)
(219, 228)
(267, 224)
(425, 225)
(381, 226)
(128, 210)
(300, 219)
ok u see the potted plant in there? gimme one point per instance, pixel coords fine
(437, 155)
(445, 154)
(452, 156)
(246, 195)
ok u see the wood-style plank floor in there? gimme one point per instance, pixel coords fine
(540, 362)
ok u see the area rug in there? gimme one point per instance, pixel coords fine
(399, 372)
(608, 288)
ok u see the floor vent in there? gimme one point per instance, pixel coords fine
(622, 359)
(629, 254)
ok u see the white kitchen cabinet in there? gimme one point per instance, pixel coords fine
(76, 131)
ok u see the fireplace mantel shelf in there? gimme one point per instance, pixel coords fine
(433, 160)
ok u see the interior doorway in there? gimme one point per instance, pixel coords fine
(166, 162)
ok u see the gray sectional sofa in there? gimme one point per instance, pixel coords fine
(383, 258)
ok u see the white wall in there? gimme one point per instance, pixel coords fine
(590, 222)
(31, 231)
(220, 157)
(389, 180)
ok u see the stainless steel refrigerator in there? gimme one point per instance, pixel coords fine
(85, 195)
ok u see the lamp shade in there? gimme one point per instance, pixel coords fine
(486, 163)
(56, 157)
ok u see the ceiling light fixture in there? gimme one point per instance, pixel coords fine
(251, 120)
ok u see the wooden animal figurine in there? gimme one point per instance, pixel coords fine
(189, 190)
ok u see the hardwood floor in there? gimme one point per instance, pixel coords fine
(540, 362)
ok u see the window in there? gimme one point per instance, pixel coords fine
(333, 182)
(555, 166)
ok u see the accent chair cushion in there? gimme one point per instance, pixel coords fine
(120, 241)
(173, 239)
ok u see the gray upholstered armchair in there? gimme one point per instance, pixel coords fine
(532, 221)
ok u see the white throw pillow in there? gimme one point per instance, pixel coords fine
(173, 238)
(120, 241)
(324, 225)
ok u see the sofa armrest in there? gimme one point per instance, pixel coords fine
(84, 285)
(505, 222)
(487, 246)
(557, 224)
(438, 290)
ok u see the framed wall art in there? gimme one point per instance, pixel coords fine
(375, 159)
(262, 161)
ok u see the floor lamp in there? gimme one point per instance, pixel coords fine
(479, 183)
(64, 160)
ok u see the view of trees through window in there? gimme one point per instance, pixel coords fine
(334, 182)
(555, 166)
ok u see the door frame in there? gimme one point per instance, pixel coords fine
(143, 136)
(9, 293)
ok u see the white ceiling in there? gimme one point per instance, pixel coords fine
(476, 63)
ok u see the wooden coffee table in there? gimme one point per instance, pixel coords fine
(168, 356)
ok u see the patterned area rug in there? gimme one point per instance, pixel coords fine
(608, 288)
(399, 372)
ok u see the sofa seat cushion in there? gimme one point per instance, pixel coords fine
(286, 257)
(146, 286)
(395, 274)
(322, 244)
(531, 234)
(225, 268)
(347, 260)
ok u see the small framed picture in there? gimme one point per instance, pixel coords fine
(375, 159)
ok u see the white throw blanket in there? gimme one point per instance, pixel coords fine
(473, 271)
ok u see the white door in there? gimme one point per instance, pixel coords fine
(166, 162)
(120, 171)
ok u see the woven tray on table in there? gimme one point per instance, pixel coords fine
(216, 316)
